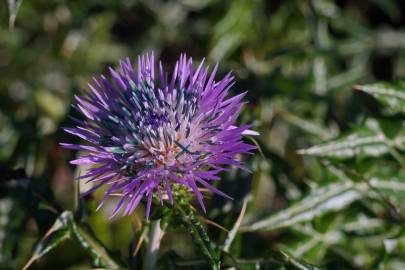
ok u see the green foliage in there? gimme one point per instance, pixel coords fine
(367, 140)
(391, 97)
(55, 236)
(13, 214)
(328, 182)
(13, 6)
(195, 228)
(333, 197)
(65, 228)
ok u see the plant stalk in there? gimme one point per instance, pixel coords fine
(152, 251)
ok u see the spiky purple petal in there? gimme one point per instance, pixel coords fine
(152, 131)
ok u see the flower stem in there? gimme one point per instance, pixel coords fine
(152, 251)
(198, 234)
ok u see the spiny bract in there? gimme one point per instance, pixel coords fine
(149, 132)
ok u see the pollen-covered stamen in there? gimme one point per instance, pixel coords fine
(163, 124)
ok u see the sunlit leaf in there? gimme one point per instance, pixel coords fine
(331, 198)
(232, 233)
(93, 247)
(13, 217)
(393, 185)
(362, 141)
(14, 213)
(363, 225)
(197, 231)
(306, 125)
(348, 147)
(297, 263)
(13, 7)
(233, 29)
(55, 236)
(391, 97)
(65, 228)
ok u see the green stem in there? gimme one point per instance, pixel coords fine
(198, 233)
(152, 250)
(95, 249)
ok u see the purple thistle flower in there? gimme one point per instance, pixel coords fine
(150, 132)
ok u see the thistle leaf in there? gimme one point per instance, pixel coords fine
(348, 147)
(94, 248)
(66, 228)
(200, 237)
(330, 198)
(366, 141)
(58, 233)
(13, 7)
(391, 97)
(297, 263)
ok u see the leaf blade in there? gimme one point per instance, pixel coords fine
(13, 7)
(332, 197)
(392, 98)
(58, 233)
(198, 234)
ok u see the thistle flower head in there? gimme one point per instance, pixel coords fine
(150, 131)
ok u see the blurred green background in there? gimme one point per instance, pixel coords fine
(297, 58)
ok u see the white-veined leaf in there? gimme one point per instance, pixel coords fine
(392, 98)
(58, 233)
(367, 141)
(13, 7)
(66, 228)
(333, 197)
